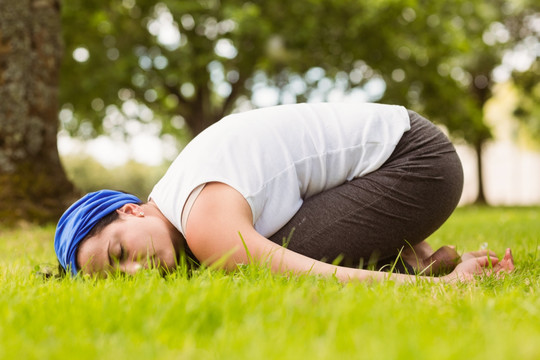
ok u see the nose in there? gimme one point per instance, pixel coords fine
(131, 267)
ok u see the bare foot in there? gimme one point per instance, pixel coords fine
(414, 255)
(442, 261)
(422, 258)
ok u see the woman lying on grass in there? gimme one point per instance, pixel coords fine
(361, 183)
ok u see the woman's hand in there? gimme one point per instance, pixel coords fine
(482, 265)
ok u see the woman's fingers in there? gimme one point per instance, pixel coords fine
(508, 256)
(486, 264)
(476, 254)
(466, 270)
(507, 263)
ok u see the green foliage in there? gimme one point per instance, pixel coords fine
(528, 109)
(89, 175)
(436, 57)
(252, 314)
(432, 56)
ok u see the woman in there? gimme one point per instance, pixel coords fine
(293, 186)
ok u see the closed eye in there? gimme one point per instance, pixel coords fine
(118, 257)
(122, 253)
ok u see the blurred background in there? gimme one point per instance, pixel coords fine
(106, 93)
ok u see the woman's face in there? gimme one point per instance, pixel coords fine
(133, 242)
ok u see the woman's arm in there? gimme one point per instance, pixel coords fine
(220, 229)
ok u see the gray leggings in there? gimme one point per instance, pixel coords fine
(369, 219)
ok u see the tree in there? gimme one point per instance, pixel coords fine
(216, 55)
(528, 80)
(33, 185)
(435, 57)
(528, 108)
(465, 46)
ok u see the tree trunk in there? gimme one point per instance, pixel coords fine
(33, 184)
(481, 196)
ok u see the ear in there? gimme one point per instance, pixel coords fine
(131, 209)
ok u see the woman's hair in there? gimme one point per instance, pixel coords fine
(101, 225)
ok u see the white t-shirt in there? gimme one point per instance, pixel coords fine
(278, 156)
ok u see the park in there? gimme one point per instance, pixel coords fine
(73, 73)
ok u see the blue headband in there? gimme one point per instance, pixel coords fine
(80, 218)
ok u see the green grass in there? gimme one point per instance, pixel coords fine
(252, 314)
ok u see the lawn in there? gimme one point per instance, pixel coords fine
(252, 314)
